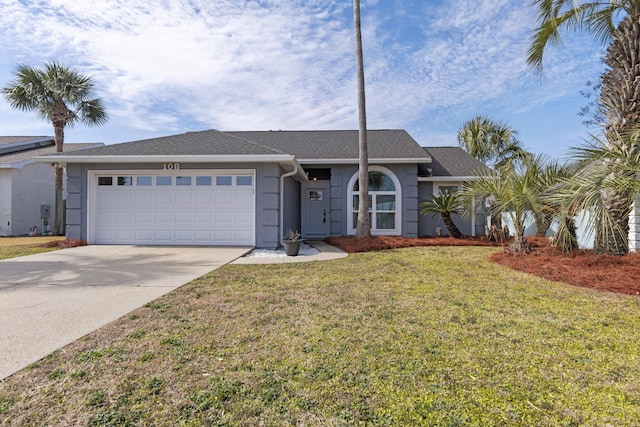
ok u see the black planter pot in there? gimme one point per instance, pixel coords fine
(292, 247)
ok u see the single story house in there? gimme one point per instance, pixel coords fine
(27, 187)
(249, 188)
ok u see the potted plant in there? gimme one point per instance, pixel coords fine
(292, 242)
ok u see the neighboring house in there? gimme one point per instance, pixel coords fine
(27, 188)
(249, 188)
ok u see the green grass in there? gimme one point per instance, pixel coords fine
(411, 337)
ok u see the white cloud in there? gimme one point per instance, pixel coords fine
(175, 65)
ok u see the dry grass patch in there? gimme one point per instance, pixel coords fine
(419, 336)
(24, 240)
(11, 247)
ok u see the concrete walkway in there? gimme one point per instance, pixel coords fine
(51, 299)
(327, 253)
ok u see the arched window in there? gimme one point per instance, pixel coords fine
(384, 202)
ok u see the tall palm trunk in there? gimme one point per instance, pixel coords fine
(363, 228)
(59, 203)
(620, 98)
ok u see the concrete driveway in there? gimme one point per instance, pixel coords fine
(50, 300)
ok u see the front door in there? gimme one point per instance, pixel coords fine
(317, 221)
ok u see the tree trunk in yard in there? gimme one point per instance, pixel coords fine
(620, 96)
(448, 222)
(363, 228)
(520, 244)
(59, 205)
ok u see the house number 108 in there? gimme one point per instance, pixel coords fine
(171, 166)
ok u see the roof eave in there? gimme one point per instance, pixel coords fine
(166, 158)
(449, 178)
(371, 160)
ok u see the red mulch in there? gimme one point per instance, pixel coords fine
(377, 243)
(63, 244)
(583, 268)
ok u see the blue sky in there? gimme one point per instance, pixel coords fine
(171, 66)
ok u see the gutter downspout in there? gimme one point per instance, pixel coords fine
(282, 177)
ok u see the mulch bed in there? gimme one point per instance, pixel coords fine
(64, 244)
(582, 268)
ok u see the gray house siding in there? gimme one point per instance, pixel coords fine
(76, 202)
(267, 196)
(408, 175)
(292, 205)
(427, 225)
(267, 220)
(340, 203)
(267, 203)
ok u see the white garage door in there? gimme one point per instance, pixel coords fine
(185, 208)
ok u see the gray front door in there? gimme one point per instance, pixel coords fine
(317, 219)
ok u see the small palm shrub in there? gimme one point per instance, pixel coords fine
(444, 205)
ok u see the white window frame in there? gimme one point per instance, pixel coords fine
(397, 230)
(438, 184)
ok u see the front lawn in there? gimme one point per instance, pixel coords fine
(408, 337)
(11, 247)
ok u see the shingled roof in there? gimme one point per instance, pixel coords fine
(24, 155)
(338, 144)
(454, 162)
(209, 142)
(4, 140)
(304, 145)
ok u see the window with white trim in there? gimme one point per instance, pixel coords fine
(384, 202)
(442, 187)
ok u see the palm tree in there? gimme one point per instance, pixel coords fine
(491, 141)
(494, 142)
(551, 174)
(616, 22)
(514, 193)
(61, 96)
(363, 229)
(444, 205)
(604, 168)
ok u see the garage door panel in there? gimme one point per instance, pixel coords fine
(203, 236)
(143, 236)
(104, 217)
(225, 236)
(125, 235)
(174, 214)
(143, 199)
(162, 235)
(244, 198)
(182, 236)
(183, 198)
(203, 217)
(184, 216)
(244, 236)
(203, 199)
(225, 197)
(224, 217)
(121, 217)
(104, 235)
(143, 217)
(163, 198)
(163, 216)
